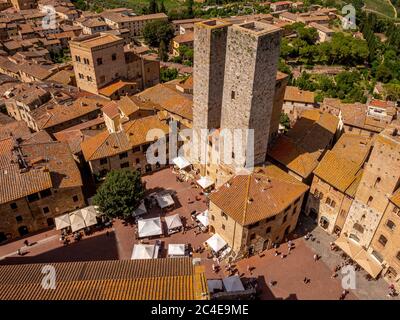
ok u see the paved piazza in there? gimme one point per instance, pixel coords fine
(287, 274)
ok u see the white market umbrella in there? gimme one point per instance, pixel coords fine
(203, 218)
(77, 221)
(144, 251)
(89, 215)
(62, 222)
(176, 249)
(173, 221)
(233, 283)
(216, 242)
(165, 200)
(181, 162)
(149, 227)
(141, 210)
(205, 182)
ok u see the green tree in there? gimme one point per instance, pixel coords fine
(153, 6)
(120, 194)
(162, 51)
(189, 4)
(392, 90)
(285, 121)
(168, 74)
(162, 7)
(155, 31)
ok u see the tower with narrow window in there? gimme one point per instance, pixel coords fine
(250, 75)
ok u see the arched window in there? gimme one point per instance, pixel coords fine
(377, 181)
(370, 200)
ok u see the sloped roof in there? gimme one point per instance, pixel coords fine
(297, 95)
(154, 279)
(396, 198)
(264, 193)
(300, 150)
(106, 144)
(165, 96)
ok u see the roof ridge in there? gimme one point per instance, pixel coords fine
(100, 144)
(246, 199)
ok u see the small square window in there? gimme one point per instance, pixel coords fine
(18, 218)
(13, 205)
(223, 227)
(45, 210)
(75, 198)
(124, 165)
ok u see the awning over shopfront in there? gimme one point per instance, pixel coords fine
(203, 218)
(216, 242)
(181, 162)
(359, 255)
(149, 227)
(233, 284)
(205, 182)
(144, 251)
(165, 200)
(348, 246)
(368, 263)
(62, 222)
(176, 249)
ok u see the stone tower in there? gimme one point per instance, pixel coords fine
(209, 68)
(250, 76)
(380, 179)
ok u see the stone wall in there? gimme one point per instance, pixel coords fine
(250, 76)
(210, 39)
(33, 215)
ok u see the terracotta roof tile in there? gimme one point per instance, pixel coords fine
(106, 144)
(154, 279)
(264, 193)
(166, 96)
(301, 149)
(296, 95)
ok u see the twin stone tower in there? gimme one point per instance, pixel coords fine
(234, 75)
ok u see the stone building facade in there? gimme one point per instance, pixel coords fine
(101, 60)
(251, 214)
(385, 244)
(250, 74)
(124, 145)
(210, 40)
(380, 180)
(97, 61)
(43, 181)
(336, 180)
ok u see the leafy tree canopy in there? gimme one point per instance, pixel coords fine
(156, 31)
(120, 194)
